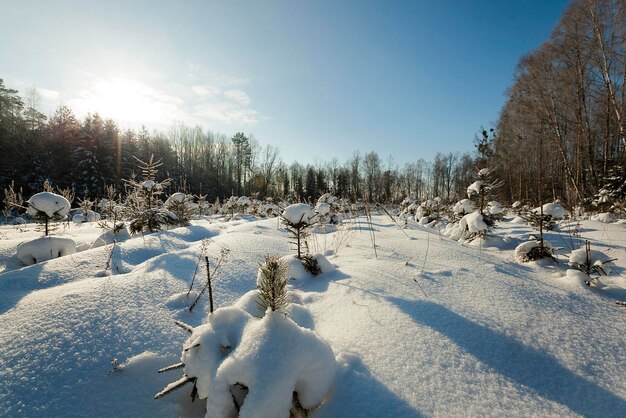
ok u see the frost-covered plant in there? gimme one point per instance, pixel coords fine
(591, 262)
(145, 212)
(180, 204)
(86, 215)
(272, 284)
(12, 200)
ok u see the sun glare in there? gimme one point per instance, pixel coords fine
(125, 100)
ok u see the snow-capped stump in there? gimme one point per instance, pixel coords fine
(44, 248)
(533, 250)
(49, 204)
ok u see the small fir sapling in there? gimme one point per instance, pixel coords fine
(272, 284)
(180, 204)
(143, 199)
(298, 218)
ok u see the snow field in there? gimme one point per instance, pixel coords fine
(429, 328)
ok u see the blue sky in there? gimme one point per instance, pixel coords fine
(318, 79)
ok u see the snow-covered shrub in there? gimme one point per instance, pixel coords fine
(533, 250)
(590, 262)
(44, 248)
(253, 360)
(480, 191)
(180, 204)
(151, 220)
(473, 226)
(298, 217)
(46, 206)
(463, 207)
(612, 196)
(143, 204)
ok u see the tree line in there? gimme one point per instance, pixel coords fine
(86, 155)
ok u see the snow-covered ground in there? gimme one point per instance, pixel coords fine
(428, 327)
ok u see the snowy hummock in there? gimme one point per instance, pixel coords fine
(45, 248)
(299, 213)
(52, 204)
(322, 208)
(90, 216)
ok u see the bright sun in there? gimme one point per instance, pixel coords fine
(126, 100)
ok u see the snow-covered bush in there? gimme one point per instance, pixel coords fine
(463, 207)
(143, 204)
(473, 226)
(298, 217)
(533, 250)
(181, 205)
(44, 248)
(253, 360)
(46, 206)
(591, 262)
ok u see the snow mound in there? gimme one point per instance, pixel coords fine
(299, 213)
(45, 248)
(108, 237)
(52, 204)
(606, 218)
